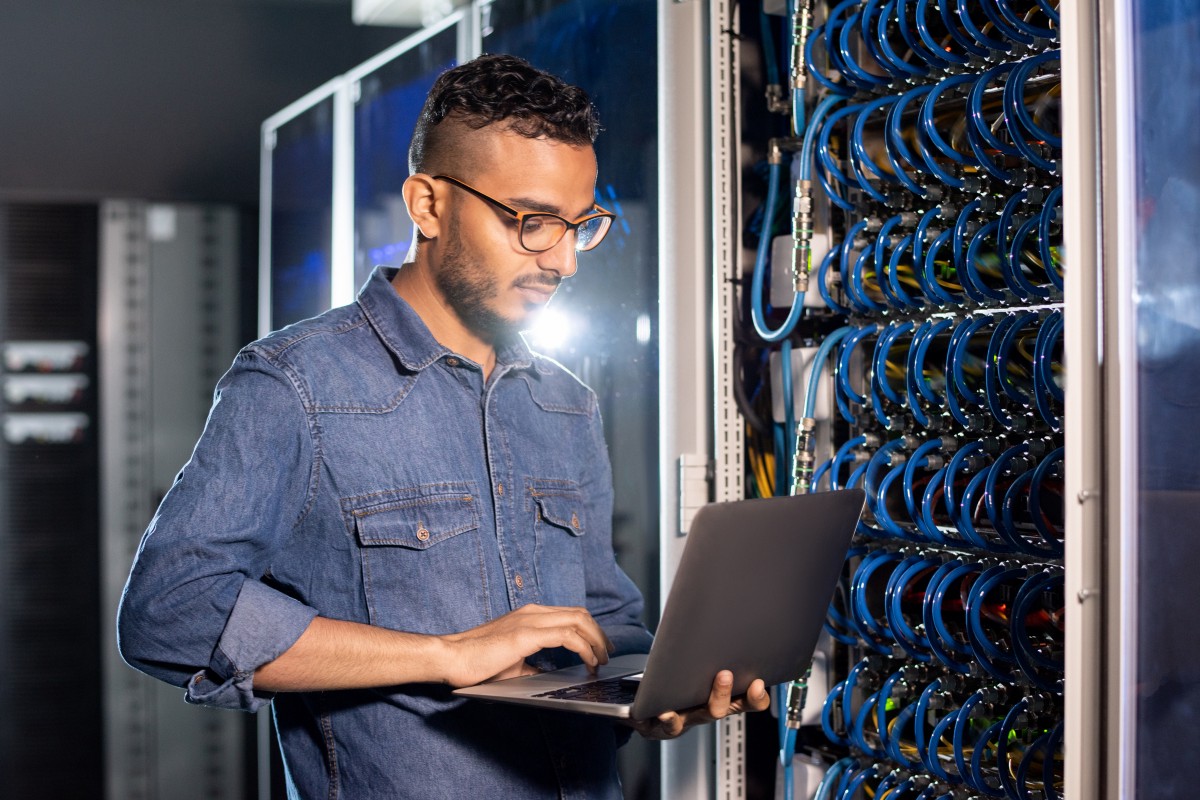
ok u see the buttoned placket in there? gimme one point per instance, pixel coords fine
(515, 554)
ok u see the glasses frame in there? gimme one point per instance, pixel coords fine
(521, 216)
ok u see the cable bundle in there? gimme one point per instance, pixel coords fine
(934, 136)
(925, 732)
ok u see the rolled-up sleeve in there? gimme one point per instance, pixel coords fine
(199, 609)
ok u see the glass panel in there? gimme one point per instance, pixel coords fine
(390, 100)
(603, 323)
(1166, 110)
(302, 215)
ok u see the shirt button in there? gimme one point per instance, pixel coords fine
(500, 489)
(422, 532)
(519, 581)
(452, 361)
(575, 521)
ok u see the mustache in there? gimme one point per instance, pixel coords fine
(539, 282)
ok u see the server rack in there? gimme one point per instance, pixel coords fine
(49, 501)
(1076, 509)
(170, 324)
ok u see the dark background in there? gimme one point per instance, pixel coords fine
(159, 99)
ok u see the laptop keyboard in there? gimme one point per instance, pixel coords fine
(609, 690)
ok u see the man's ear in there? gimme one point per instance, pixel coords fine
(422, 201)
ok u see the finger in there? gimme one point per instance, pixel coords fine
(584, 624)
(757, 696)
(668, 725)
(720, 697)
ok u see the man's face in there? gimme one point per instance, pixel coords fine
(493, 285)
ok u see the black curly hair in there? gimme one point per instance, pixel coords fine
(505, 89)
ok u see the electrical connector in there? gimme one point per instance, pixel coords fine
(805, 461)
(797, 694)
(802, 231)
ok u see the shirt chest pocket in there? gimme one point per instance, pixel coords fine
(422, 560)
(559, 529)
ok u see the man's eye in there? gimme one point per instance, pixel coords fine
(534, 224)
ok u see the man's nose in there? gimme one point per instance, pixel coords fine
(560, 259)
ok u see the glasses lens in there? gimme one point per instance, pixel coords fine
(591, 232)
(541, 231)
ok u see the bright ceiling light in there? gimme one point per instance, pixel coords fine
(553, 331)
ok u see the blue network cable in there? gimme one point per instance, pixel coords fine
(899, 67)
(944, 644)
(961, 35)
(934, 763)
(762, 262)
(832, 701)
(880, 508)
(857, 74)
(860, 158)
(837, 89)
(933, 56)
(920, 459)
(895, 145)
(1026, 29)
(1033, 664)
(823, 286)
(914, 373)
(844, 358)
(898, 252)
(820, 358)
(992, 658)
(928, 121)
(976, 32)
(1003, 26)
(912, 641)
(934, 46)
(1047, 744)
(932, 279)
(858, 279)
(832, 776)
(1045, 468)
(968, 274)
(993, 377)
(973, 257)
(826, 158)
(883, 347)
(1017, 248)
(882, 268)
(877, 634)
(1047, 218)
(983, 745)
(789, 413)
(1016, 115)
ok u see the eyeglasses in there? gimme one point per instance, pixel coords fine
(538, 231)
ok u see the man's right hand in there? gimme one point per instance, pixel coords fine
(498, 649)
(335, 654)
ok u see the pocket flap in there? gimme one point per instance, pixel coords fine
(419, 523)
(563, 510)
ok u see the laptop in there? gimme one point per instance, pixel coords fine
(750, 595)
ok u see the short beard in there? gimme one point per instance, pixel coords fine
(469, 289)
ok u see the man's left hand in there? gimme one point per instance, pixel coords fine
(721, 704)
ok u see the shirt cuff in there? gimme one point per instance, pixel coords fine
(263, 624)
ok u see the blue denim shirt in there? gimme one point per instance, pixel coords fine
(355, 468)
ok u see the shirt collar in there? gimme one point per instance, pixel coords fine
(407, 336)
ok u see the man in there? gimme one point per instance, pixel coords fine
(397, 498)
